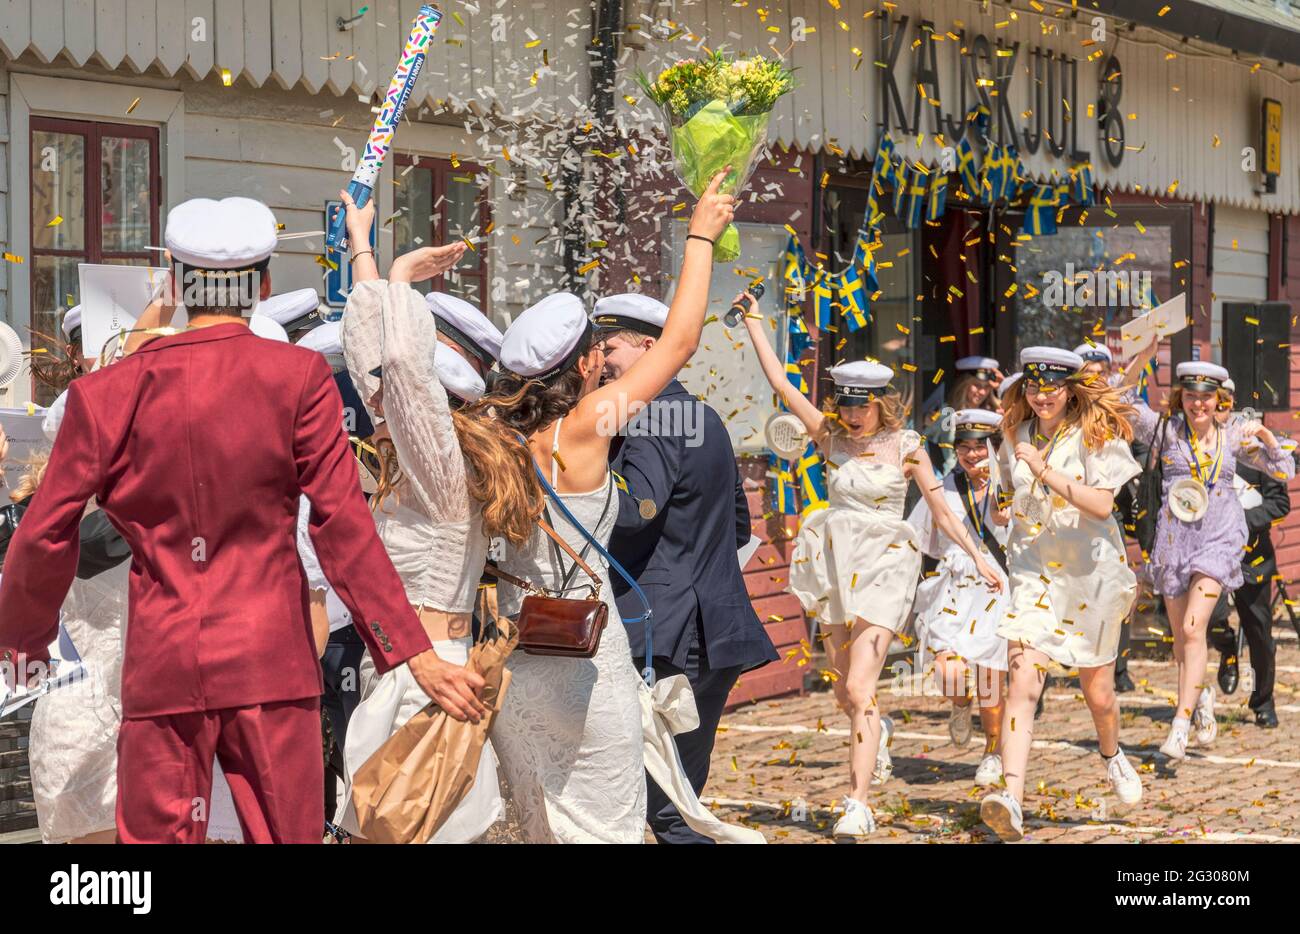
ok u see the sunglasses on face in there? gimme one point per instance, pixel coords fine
(1043, 389)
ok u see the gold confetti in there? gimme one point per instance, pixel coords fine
(134, 104)
(226, 77)
(58, 219)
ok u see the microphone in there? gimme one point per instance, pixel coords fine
(737, 311)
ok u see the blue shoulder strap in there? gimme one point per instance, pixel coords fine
(648, 673)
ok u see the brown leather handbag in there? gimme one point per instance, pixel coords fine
(551, 624)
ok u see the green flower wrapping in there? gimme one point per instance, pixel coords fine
(717, 111)
(707, 143)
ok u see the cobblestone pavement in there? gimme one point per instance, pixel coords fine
(775, 759)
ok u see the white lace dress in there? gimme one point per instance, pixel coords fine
(569, 734)
(858, 558)
(73, 740)
(433, 532)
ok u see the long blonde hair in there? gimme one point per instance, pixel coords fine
(1097, 409)
(498, 470)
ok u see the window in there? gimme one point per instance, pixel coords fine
(95, 192)
(439, 201)
(891, 332)
(1100, 269)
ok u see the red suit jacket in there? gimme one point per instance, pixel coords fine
(197, 447)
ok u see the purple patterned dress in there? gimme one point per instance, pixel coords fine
(1212, 545)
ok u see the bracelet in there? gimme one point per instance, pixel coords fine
(356, 256)
(698, 237)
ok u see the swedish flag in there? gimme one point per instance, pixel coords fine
(1040, 216)
(937, 195)
(909, 196)
(1001, 172)
(811, 472)
(853, 299)
(1081, 184)
(823, 295)
(783, 492)
(882, 169)
(967, 171)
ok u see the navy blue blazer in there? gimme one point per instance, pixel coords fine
(682, 515)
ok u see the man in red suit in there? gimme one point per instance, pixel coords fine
(197, 448)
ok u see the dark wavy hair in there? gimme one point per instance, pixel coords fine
(527, 404)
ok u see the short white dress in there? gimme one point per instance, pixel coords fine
(955, 610)
(858, 558)
(1071, 586)
(431, 529)
(569, 734)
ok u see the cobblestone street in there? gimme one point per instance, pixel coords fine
(774, 756)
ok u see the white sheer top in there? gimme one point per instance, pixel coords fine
(432, 529)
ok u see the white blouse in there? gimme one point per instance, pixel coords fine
(434, 531)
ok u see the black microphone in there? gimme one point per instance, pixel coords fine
(738, 310)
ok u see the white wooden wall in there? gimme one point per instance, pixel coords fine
(1178, 105)
(4, 194)
(290, 42)
(1240, 265)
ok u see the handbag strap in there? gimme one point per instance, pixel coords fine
(586, 546)
(558, 539)
(648, 673)
(1157, 445)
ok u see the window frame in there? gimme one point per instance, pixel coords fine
(442, 171)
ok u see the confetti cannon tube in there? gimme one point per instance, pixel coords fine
(390, 114)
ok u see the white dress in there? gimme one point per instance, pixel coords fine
(73, 740)
(1071, 586)
(433, 531)
(569, 734)
(955, 610)
(858, 558)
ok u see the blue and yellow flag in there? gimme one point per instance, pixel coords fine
(1040, 215)
(909, 196)
(967, 169)
(936, 196)
(1081, 189)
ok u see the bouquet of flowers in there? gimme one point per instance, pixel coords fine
(717, 110)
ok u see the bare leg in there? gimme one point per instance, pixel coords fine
(992, 700)
(1026, 683)
(950, 672)
(868, 647)
(835, 641)
(1099, 691)
(1194, 624)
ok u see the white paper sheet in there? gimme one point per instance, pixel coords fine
(113, 297)
(25, 436)
(747, 550)
(1160, 322)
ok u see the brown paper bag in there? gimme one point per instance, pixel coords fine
(410, 786)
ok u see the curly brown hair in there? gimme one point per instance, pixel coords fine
(498, 468)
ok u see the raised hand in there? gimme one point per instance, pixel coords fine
(713, 212)
(426, 262)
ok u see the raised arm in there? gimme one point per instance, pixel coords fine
(774, 370)
(646, 378)
(918, 468)
(1257, 446)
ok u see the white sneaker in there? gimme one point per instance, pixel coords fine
(989, 774)
(884, 761)
(856, 821)
(959, 726)
(1001, 813)
(1175, 747)
(1207, 728)
(1124, 779)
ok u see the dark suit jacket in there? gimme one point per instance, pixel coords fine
(678, 456)
(1259, 523)
(197, 447)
